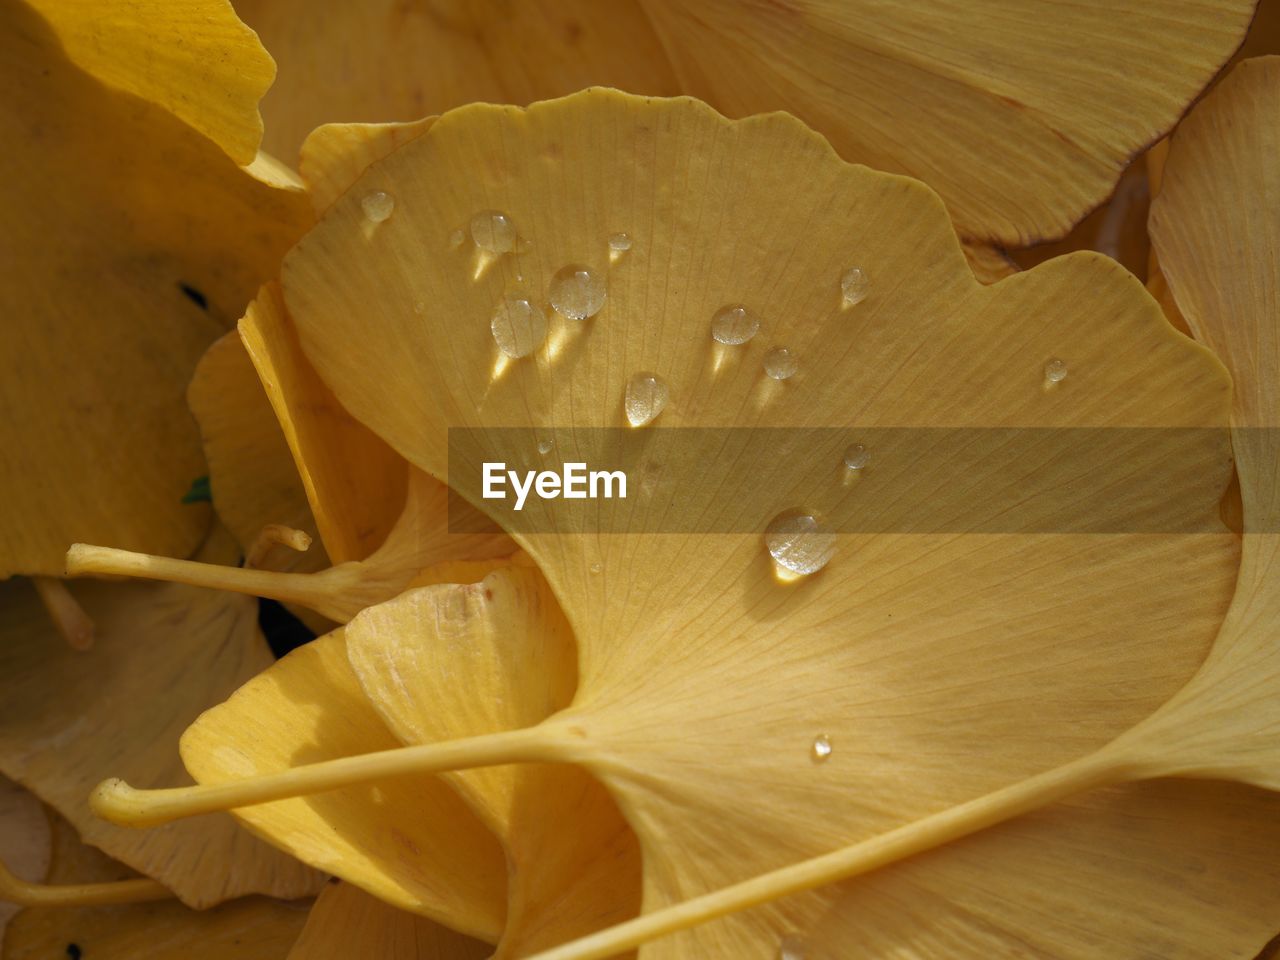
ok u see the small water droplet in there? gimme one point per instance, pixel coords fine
(577, 292)
(377, 206)
(854, 286)
(596, 567)
(800, 542)
(734, 324)
(1055, 371)
(456, 238)
(792, 947)
(780, 364)
(544, 447)
(821, 748)
(493, 232)
(856, 456)
(419, 308)
(518, 326)
(619, 243)
(646, 397)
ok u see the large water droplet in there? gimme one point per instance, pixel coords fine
(734, 324)
(854, 286)
(800, 542)
(493, 232)
(856, 456)
(518, 326)
(646, 396)
(821, 750)
(544, 447)
(1055, 371)
(619, 243)
(792, 947)
(780, 364)
(377, 206)
(577, 292)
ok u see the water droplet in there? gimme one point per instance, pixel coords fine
(800, 542)
(596, 567)
(646, 396)
(792, 948)
(619, 243)
(456, 238)
(734, 324)
(577, 292)
(544, 447)
(854, 286)
(1055, 371)
(856, 457)
(493, 232)
(780, 364)
(419, 308)
(518, 326)
(377, 206)
(821, 748)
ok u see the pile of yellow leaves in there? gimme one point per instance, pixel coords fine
(938, 342)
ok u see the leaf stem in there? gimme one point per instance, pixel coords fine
(116, 801)
(308, 589)
(65, 611)
(1095, 770)
(141, 890)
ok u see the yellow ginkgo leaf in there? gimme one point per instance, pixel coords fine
(710, 644)
(354, 481)
(24, 842)
(383, 60)
(989, 263)
(1223, 272)
(163, 654)
(254, 928)
(254, 482)
(1221, 256)
(194, 59)
(507, 636)
(1118, 228)
(346, 922)
(989, 104)
(128, 235)
(927, 661)
(252, 476)
(334, 155)
(410, 841)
